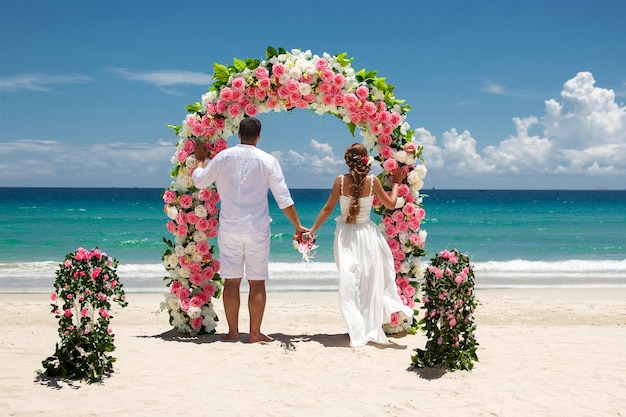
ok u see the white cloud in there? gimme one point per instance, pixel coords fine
(164, 80)
(30, 162)
(39, 82)
(587, 115)
(584, 134)
(320, 162)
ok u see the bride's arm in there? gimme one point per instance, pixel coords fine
(388, 201)
(328, 208)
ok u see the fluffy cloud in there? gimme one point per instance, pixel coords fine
(32, 163)
(584, 134)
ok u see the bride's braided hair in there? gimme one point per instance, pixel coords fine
(357, 160)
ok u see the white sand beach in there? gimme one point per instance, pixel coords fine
(543, 352)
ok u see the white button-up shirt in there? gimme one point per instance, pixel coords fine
(243, 174)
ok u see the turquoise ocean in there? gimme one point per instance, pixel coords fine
(515, 238)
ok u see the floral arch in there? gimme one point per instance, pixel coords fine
(282, 82)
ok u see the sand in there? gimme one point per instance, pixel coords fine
(543, 352)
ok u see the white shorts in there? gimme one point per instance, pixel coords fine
(241, 253)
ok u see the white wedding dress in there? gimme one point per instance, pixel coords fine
(367, 287)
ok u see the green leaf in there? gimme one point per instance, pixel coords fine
(193, 108)
(239, 65)
(176, 128)
(270, 52)
(343, 59)
(220, 73)
(252, 63)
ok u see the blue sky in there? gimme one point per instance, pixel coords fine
(505, 94)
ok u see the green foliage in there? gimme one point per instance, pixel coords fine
(449, 303)
(86, 283)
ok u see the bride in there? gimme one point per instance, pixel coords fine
(367, 288)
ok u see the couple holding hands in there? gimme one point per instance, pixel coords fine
(243, 174)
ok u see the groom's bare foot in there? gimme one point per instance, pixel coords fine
(228, 337)
(260, 338)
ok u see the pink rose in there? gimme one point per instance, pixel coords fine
(391, 231)
(261, 73)
(234, 109)
(182, 230)
(395, 319)
(251, 109)
(196, 279)
(397, 216)
(386, 152)
(239, 83)
(175, 287)
(390, 165)
(394, 245)
(202, 247)
(103, 313)
(196, 323)
(408, 291)
(54, 296)
(67, 313)
(186, 200)
(202, 224)
(185, 303)
(226, 94)
(321, 64)
(278, 69)
(362, 92)
(171, 226)
(169, 196)
(192, 218)
(209, 290)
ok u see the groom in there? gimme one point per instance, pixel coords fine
(243, 175)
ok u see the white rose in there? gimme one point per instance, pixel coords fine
(401, 156)
(304, 89)
(400, 202)
(172, 212)
(199, 236)
(416, 186)
(179, 250)
(295, 73)
(196, 257)
(172, 260)
(405, 267)
(173, 302)
(191, 161)
(194, 312)
(190, 248)
(421, 171)
(184, 272)
(413, 176)
(179, 240)
(403, 237)
(200, 211)
(187, 182)
(422, 236)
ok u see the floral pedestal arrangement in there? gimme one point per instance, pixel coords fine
(86, 283)
(449, 303)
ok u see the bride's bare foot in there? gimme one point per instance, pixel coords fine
(261, 338)
(230, 337)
